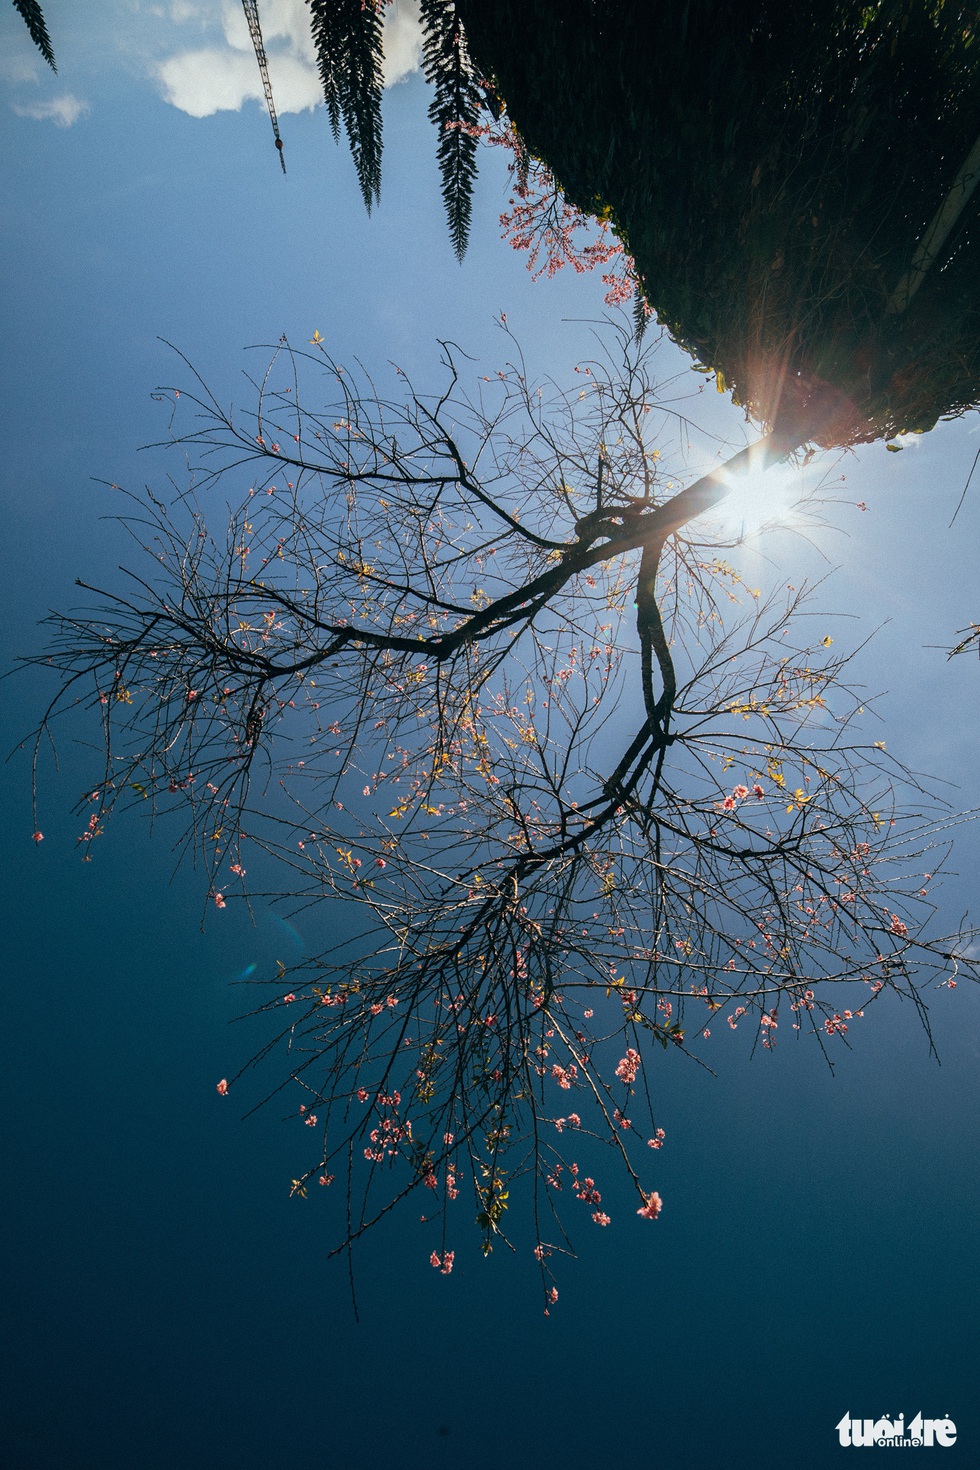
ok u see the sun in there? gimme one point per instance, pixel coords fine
(759, 500)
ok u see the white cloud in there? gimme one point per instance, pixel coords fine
(214, 80)
(19, 68)
(403, 41)
(222, 76)
(62, 111)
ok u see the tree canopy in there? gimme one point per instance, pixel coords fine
(460, 662)
(773, 171)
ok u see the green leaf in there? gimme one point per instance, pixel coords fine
(34, 20)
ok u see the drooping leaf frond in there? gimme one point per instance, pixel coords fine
(347, 36)
(325, 32)
(455, 110)
(34, 20)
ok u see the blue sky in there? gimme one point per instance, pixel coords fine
(170, 1305)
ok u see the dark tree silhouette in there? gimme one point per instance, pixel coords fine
(794, 182)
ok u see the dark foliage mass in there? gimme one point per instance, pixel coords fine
(778, 173)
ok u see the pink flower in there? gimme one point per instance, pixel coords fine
(574, 1121)
(222, 1087)
(628, 1067)
(601, 1219)
(219, 901)
(740, 792)
(380, 863)
(37, 837)
(758, 791)
(654, 1204)
(287, 1000)
(728, 805)
(897, 927)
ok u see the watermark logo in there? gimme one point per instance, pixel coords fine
(894, 1434)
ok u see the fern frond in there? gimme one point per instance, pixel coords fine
(34, 20)
(347, 35)
(455, 110)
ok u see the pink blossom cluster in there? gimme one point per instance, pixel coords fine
(651, 1207)
(629, 1065)
(386, 1139)
(586, 1191)
(443, 1263)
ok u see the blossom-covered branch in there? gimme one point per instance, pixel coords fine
(459, 664)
